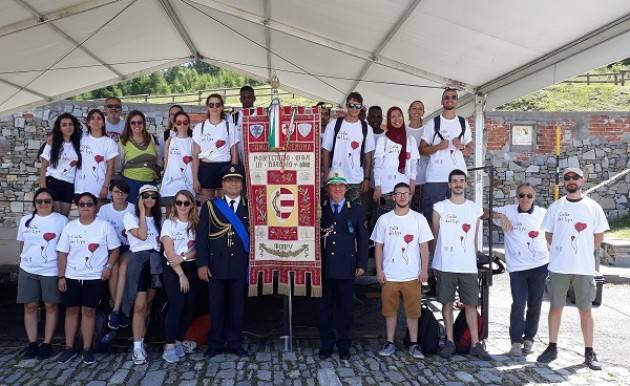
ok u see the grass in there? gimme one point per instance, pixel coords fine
(620, 228)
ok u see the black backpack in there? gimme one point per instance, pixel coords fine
(364, 129)
(227, 127)
(436, 128)
(428, 332)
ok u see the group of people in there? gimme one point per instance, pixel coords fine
(404, 182)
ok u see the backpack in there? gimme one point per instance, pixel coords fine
(227, 126)
(428, 332)
(436, 128)
(461, 332)
(364, 129)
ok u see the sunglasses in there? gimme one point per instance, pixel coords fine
(114, 107)
(447, 97)
(43, 201)
(213, 105)
(523, 195)
(356, 106)
(136, 123)
(574, 177)
(85, 204)
(185, 123)
(400, 194)
(182, 203)
(147, 196)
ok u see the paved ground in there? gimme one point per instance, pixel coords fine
(268, 365)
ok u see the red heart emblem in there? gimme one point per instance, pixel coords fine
(92, 247)
(408, 238)
(580, 226)
(74, 163)
(49, 236)
(354, 145)
(466, 227)
(533, 234)
(99, 158)
(219, 143)
(187, 159)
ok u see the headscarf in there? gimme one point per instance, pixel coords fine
(398, 135)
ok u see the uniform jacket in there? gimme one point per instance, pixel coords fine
(346, 247)
(224, 261)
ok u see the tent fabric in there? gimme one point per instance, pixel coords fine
(391, 51)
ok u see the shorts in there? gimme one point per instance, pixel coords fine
(411, 294)
(210, 174)
(85, 293)
(583, 287)
(34, 288)
(465, 283)
(60, 190)
(146, 279)
(433, 192)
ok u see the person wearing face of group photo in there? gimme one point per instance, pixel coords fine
(38, 234)
(60, 161)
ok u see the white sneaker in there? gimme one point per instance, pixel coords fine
(139, 356)
(516, 350)
(189, 346)
(528, 346)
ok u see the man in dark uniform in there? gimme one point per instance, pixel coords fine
(222, 259)
(344, 257)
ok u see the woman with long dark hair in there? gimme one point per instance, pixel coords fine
(60, 162)
(88, 249)
(145, 264)
(178, 156)
(138, 154)
(38, 234)
(214, 148)
(180, 272)
(98, 153)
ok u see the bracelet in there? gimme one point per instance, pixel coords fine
(62, 277)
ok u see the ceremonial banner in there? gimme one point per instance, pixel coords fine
(282, 168)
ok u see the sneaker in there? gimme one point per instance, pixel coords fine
(387, 350)
(415, 351)
(528, 346)
(113, 321)
(170, 355)
(45, 351)
(179, 350)
(590, 359)
(480, 352)
(189, 346)
(123, 320)
(139, 356)
(67, 355)
(548, 355)
(31, 351)
(448, 350)
(516, 350)
(88, 356)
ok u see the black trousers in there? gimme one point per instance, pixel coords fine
(179, 314)
(336, 310)
(227, 302)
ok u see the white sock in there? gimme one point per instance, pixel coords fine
(137, 345)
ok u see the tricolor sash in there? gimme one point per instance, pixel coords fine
(233, 219)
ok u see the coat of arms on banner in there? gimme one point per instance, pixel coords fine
(283, 189)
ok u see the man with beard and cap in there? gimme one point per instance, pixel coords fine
(574, 227)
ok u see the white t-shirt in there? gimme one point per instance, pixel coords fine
(178, 173)
(525, 244)
(153, 236)
(386, 174)
(214, 141)
(87, 247)
(95, 152)
(401, 237)
(114, 131)
(114, 217)
(347, 155)
(421, 177)
(176, 230)
(66, 168)
(573, 225)
(443, 162)
(455, 250)
(39, 253)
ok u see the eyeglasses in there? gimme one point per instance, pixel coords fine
(213, 105)
(136, 123)
(85, 204)
(400, 194)
(447, 97)
(185, 123)
(182, 203)
(44, 201)
(148, 196)
(573, 177)
(356, 106)
(523, 195)
(114, 107)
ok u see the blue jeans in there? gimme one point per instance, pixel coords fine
(527, 289)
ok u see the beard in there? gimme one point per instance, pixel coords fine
(572, 188)
(402, 206)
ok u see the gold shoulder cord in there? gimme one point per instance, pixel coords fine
(224, 228)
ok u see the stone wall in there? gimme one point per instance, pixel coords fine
(597, 142)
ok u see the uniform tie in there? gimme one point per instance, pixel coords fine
(232, 202)
(336, 209)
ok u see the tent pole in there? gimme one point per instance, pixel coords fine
(479, 154)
